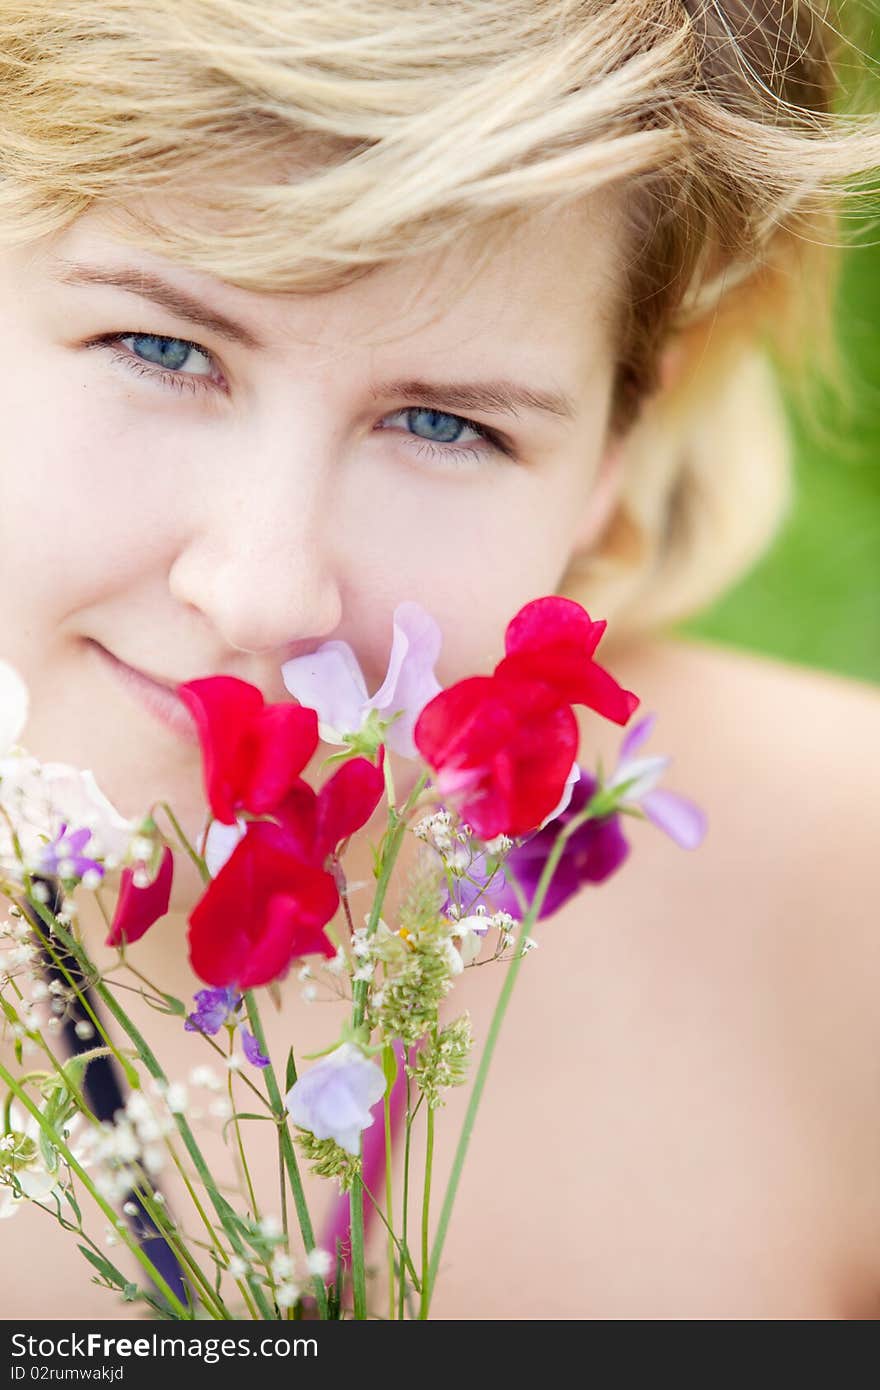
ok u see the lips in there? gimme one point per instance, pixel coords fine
(157, 697)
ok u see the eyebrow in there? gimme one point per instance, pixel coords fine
(495, 397)
(148, 285)
(506, 397)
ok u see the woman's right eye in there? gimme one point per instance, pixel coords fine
(162, 357)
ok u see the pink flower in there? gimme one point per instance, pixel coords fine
(330, 680)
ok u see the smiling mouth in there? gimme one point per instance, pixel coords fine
(156, 697)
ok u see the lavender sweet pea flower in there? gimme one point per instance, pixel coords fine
(63, 855)
(680, 819)
(214, 1008)
(330, 681)
(333, 1100)
(594, 852)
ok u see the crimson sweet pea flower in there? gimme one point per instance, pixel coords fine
(503, 745)
(270, 901)
(252, 752)
(138, 908)
(502, 750)
(552, 640)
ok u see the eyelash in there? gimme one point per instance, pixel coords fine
(194, 384)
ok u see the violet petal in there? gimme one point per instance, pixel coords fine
(680, 819)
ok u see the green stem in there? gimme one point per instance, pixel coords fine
(426, 1205)
(146, 1055)
(197, 859)
(154, 1274)
(397, 827)
(358, 1271)
(492, 1038)
(405, 1217)
(287, 1149)
(388, 1203)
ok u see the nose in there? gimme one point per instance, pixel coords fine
(259, 563)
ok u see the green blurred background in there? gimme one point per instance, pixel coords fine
(815, 597)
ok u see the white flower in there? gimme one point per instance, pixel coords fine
(13, 707)
(286, 1295)
(334, 1098)
(41, 797)
(320, 1262)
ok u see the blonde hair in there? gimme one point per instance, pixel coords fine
(404, 124)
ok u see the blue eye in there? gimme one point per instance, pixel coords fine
(162, 357)
(438, 433)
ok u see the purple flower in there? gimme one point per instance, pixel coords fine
(680, 819)
(216, 1007)
(591, 854)
(63, 855)
(330, 681)
(333, 1100)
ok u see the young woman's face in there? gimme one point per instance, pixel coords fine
(192, 497)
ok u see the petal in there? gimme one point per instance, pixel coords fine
(643, 773)
(13, 706)
(571, 782)
(251, 1049)
(331, 682)
(138, 908)
(410, 682)
(264, 909)
(680, 819)
(211, 1012)
(637, 735)
(346, 802)
(573, 677)
(276, 748)
(220, 841)
(222, 707)
(547, 621)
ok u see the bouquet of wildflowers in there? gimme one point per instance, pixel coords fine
(505, 826)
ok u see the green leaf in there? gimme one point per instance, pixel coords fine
(105, 1268)
(74, 1204)
(290, 1073)
(389, 1067)
(175, 1007)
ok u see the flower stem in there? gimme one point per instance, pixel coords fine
(492, 1038)
(405, 1216)
(426, 1206)
(388, 1205)
(196, 858)
(287, 1149)
(134, 1246)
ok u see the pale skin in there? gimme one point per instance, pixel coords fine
(682, 1120)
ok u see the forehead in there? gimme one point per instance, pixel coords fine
(549, 285)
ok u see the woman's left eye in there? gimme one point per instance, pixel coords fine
(446, 435)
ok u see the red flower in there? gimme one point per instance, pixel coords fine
(273, 897)
(138, 908)
(552, 640)
(265, 908)
(253, 752)
(502, 748)
(504, 744)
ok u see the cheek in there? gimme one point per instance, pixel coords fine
(77, 491)
(471, 553)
